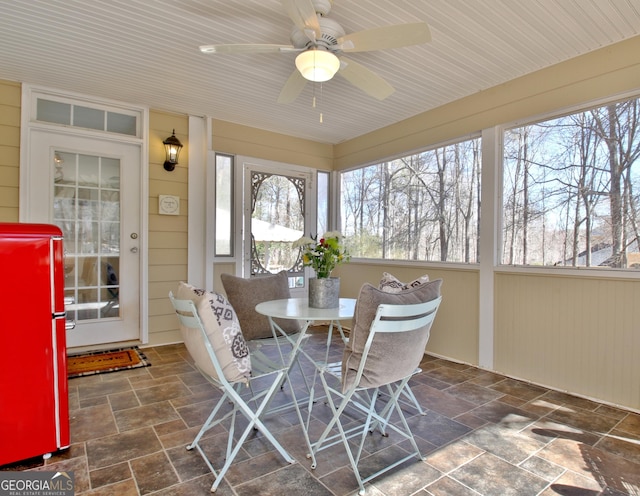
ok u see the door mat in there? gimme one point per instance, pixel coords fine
(101, 362)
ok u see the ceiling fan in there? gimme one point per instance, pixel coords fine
(321, 42)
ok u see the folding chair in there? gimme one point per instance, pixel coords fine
(391, 284)
(251, 404)
(391, 353)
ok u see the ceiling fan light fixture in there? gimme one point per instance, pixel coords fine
(317, 65)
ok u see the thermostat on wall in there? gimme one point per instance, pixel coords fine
(168, 205)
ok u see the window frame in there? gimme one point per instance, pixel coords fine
(401, 262)
(95, 104)
(499, 192)
(231, 220)
(492, 184)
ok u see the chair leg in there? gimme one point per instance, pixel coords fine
(254, 416)
(410, 401)
(366, 403)
(209, 423)
(409, 394)
(410, 398)
(401, 389)
(327, 440)
(262, 400)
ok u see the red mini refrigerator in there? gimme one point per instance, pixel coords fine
(34, 403)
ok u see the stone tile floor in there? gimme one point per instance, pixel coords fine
(483, 434)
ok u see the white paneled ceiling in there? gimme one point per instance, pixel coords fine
(146, 52)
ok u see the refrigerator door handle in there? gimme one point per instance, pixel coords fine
(69, 324)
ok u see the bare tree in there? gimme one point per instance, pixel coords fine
(617, 125)
(557, 174)
(425, 206)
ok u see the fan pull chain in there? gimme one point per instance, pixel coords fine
(321, 119)
(314, 102)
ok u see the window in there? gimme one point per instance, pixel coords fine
(571, 189)
(224, 206)
(419, 207)
(323, 203)
(277, 220)
(95, 117)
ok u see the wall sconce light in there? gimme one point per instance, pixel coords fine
(172, 147)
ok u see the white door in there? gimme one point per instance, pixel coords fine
(90, 188)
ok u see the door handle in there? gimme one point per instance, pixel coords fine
(134, 249)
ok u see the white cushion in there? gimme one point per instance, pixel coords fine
(223, 330)
(391, 284)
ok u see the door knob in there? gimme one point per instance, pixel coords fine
(134, 249)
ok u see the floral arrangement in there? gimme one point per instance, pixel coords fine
(324, 254)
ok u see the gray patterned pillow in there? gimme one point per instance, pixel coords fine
(390, 284)
(223, 329)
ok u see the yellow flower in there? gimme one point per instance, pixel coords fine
(322, 254)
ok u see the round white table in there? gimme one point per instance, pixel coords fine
(298, 308)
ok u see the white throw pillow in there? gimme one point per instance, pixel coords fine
(223, 330)
(391, 284)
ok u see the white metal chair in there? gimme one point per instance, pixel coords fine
(251, 402)
(380, 366)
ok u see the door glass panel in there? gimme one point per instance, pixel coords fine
(277, 220)
(87, 209)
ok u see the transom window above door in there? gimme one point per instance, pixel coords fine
(89, 116)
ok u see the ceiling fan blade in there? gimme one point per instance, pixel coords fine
(292, 88)
(303, 14)
(386, 37)
(365, 79)
(247, 48)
